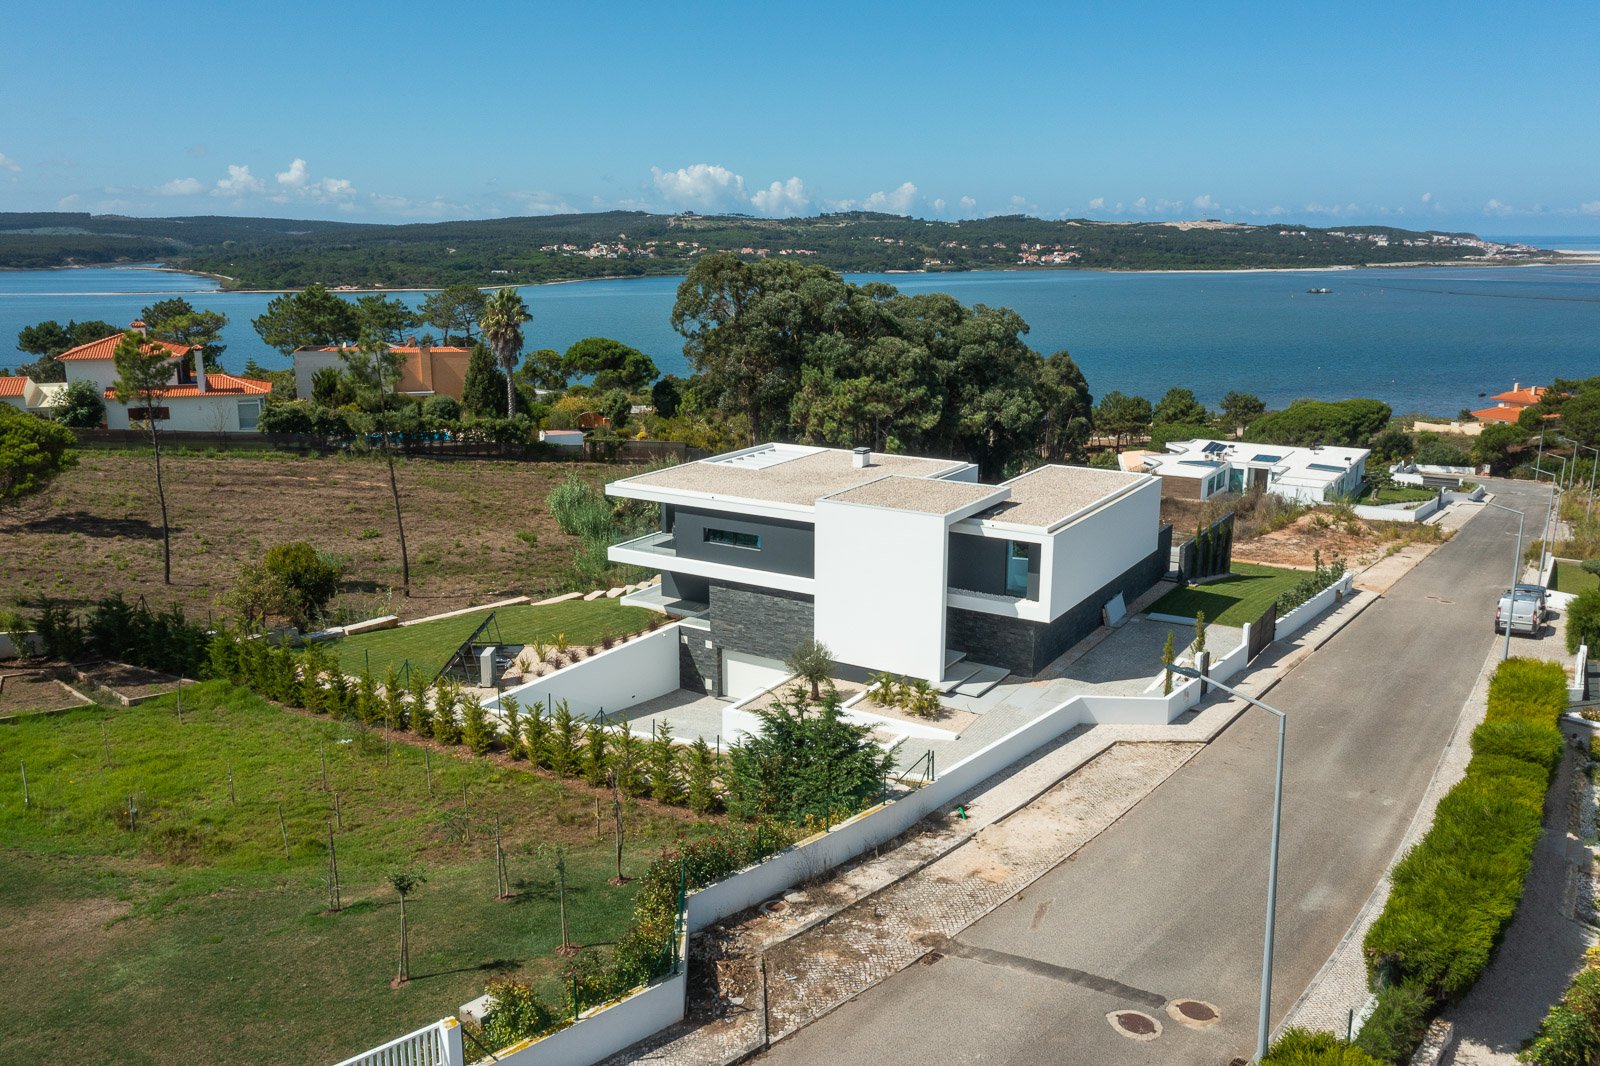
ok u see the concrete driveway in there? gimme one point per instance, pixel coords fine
(1169, 902)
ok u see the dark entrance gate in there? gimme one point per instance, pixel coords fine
(1263, 631)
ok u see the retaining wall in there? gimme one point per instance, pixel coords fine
(634, 671)
(1303, 615)
(1399, 514)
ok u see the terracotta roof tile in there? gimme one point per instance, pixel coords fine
(12, 385)
(216, 385)
(105, 346)
(1522, 397)
(1503, 413)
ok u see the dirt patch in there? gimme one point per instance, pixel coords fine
(1323, 530)
(24, 691)
(477, 531)
(130, 682)
(65, 932)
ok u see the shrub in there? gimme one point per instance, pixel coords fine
(662, 760)
(394, 700)
(1537, 745)
(81, 406)
(446, 697)
(515, 1011)
(1304, 1047)
(594, 754)
(1530, 688)
(511, 711)
(1569, 1035)
(419, 697)
(1398, 1022)
(563, 742)
(311, 577)
(626, 760)
(1583, 620)
(441, 408)
(702, 777)
(476, 732)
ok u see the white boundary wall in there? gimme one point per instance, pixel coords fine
(1301, 616)
(632, 672)
(1399, 514)
(606, 1030)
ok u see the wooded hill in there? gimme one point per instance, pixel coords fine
(289, 253)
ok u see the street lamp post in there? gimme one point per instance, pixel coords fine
(1593, 468)
(1550, 513)
(1516, 571)
(1263, 1023)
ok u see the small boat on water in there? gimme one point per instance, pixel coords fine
(1319, 292)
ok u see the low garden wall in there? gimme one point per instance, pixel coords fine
(634, 671)
(1420, 513)
(1304, 614)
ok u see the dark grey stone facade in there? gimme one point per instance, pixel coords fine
(1026, 647)
(698, 665)
(766, 622)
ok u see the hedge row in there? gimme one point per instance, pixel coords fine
(1455, 892)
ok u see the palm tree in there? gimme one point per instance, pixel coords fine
(501, 326)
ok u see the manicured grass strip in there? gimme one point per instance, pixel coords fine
(1457, 890)
(1234, 600)
(197, 917)
(1573, 578)
(429, 646)
(1399, 494)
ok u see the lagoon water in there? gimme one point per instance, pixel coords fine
(1426, 339)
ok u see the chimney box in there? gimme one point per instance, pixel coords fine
(200, 368)
(861, 458)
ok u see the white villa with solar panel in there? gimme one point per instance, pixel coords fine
(1200, 469)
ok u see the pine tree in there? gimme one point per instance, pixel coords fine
(702, 777)
(336, 694)
(365, 699)
(594, 754)
(394, 700)
(421, 705)
(627, 760)
(564, 742)
(662, 760)
(445, 697)
(476, 732)
(511, 713)
(536, 736)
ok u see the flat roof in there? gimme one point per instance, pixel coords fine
(920, 494)
(1049, 495)
(785, 473)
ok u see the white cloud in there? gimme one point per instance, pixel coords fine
(181, 187)
(67, 201)
(7, 163)
(967, 203)
(296, 175)
(938, 204)
(898, 201)
(1427, 197)
(1097, 203)
(1590, 208)
(542, 203)
(1497, 207)
(701, 185)
(238, 182)
(782, 198)
(1205, 203)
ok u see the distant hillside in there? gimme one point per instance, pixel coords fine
(285, 253)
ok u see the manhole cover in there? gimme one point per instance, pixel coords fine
(774, 906)
(932, 957)
(1195, 1013)
(1135, 1025)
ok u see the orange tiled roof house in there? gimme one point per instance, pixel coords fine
(195, 401)
(425, 370)
(1510, 405)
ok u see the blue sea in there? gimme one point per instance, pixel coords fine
(1426, 339)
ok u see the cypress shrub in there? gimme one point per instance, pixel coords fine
(665, 784)
(476, 732)
(421, 705)
(536, 735)
(594, 754)
(1398, 1022)
(394, 700)
(702, 777)
(563, 742)
(445, 727)
(511, 712)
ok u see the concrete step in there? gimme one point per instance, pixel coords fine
(955, 676)
(982, 681)
(951, 657)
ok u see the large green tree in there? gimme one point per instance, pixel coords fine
(1351, 423)
(312, 318)
(1239, 409)
(1122, 416)
(144, 372)
(504, 314)
(391, 319)
(455, 309)
(33, 453)
(1069, 409)
(484, 389)
(176, 320)
(82, 405)
(612, 364)
(1179, 406)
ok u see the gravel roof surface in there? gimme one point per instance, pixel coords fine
(803, 481)
(1043, 497)
(918, 494)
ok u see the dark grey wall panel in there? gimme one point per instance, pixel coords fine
(766, 622)
(685, 587)
(698, 665)
(786, 547)
(978, 564)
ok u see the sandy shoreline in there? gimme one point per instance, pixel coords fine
(1562, 258)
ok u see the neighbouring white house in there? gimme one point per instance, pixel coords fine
(195, 401)
(25, 394)
(1200, 469)
(896, 563)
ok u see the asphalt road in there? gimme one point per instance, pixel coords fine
(1169, 902)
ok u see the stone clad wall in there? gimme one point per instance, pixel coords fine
(765, 622)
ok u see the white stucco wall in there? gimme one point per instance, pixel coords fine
(638, 670)
(216, 413)
(103, 372)
(1081, 557)
(307, 364)
(880, 588)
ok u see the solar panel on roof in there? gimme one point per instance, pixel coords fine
(1214, 447)
(1264, 458)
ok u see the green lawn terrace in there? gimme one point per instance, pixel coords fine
(428, 646)
(208, 913)
(1570, 576)
(1241, 597)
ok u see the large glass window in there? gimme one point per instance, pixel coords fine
(1017, 570)
(733, 539)
(249, 414)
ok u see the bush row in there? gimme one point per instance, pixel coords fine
(126, 632)
(1455, 892)
(556, 740)
(1319, 578)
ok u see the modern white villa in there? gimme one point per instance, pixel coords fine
(1200, 469)
(897, 563)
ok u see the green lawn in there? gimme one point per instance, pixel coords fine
(1572, 577)
(429, 645)
(1234, 600)
(1399, 494)
(191, 938)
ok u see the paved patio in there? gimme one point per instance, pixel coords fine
(692, 714)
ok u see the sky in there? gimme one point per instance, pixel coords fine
(1477, 116)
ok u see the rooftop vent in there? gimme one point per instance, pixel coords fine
(861, 458)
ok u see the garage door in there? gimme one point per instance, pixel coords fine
(745, 675)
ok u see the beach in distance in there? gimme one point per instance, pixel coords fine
(1419, 338)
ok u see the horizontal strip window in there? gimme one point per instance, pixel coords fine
(733, 539)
